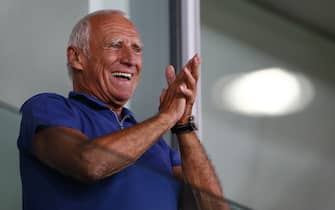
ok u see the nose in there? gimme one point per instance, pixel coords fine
(128, 56)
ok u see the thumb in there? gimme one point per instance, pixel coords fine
(170, 74)
(163, 93)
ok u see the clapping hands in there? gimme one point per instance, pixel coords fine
(180, 95)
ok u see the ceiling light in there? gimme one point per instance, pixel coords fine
(265, 92)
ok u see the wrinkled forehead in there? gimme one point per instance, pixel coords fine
(113, 24)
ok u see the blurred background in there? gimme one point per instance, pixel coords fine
(267, 88)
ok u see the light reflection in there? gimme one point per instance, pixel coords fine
(265, 92)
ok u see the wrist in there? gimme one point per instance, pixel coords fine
(187, 114)
(187, 127)
(166, 119)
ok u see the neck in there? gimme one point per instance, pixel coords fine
(118, 111)
(112, 106)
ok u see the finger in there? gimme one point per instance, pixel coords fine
(189, 79)
(163, 93)
(187, 93)
(192, 61)
(189, 63)
(195, 66)
(170, 74)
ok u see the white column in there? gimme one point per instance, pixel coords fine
(190, 26)
(122, 5)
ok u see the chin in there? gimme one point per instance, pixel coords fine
(121, 100)
(121, 97)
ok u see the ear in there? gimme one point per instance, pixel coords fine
(75, 58)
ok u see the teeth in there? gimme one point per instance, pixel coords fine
(121, 74)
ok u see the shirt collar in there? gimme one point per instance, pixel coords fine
(96, 103)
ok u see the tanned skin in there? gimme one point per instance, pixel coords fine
(116, 47)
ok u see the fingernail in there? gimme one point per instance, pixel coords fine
(196, 58)
(199, 59)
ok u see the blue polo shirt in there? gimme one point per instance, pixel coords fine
(145, 185)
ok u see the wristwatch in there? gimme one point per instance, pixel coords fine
(185, 128)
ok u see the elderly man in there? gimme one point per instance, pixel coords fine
(88, 152)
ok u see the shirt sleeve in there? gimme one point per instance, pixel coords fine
(175, 157)
(45, 110)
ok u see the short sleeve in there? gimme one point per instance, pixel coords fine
(175, 157)
(45, 110)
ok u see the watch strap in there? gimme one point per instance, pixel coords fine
(185, 128)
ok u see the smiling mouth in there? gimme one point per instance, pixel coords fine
(123, 75)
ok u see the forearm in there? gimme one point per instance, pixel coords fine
(200, 174)
(70, 152)
(111, 153)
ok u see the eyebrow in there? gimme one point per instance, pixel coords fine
(113, 40)
(139, 42)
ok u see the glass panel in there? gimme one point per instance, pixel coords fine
(10, 183)
(267, 101)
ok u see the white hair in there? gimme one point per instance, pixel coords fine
(80, 34)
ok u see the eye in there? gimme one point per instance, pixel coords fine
(137, 48)
(117, 44)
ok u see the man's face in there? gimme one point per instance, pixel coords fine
(114, 62)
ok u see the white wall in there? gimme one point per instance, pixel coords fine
(33, 44)
(269, 163)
